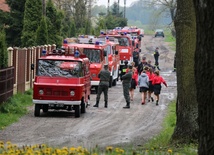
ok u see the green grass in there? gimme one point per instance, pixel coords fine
(14, 108)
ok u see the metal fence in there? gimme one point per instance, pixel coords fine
(19, 76)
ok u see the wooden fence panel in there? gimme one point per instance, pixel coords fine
(6, 83)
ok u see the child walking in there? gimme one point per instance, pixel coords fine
(143, 83)
(157, 80)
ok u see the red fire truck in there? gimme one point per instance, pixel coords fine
(99, 53)
(125, 47)
(62, 82)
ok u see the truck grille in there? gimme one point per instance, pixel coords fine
(50, 92)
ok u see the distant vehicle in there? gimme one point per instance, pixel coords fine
(159, 33)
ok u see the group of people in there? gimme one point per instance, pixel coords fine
(144, 76)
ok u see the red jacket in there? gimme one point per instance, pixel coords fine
(158, 80)
(150, 75)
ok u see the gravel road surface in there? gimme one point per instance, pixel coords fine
(112, 126)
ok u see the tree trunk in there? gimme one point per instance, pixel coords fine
(186, 130)
(204, 74)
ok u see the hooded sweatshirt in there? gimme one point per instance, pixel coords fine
(143, 80)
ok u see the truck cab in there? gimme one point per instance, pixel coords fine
(62, 82)
(99, 53)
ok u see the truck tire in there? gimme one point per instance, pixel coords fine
(83, 106)
(45, 108)
(77, 110)
(37, 110)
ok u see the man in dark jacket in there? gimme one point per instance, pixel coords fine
(104, 76)
(156, 56)
(136, 57)
(141, 66)
(126, 81)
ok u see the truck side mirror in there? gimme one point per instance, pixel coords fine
(32, 66)
(116, 52)
(105, 53)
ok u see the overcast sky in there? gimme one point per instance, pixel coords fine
(105, 2)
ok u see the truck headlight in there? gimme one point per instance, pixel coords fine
(41, 92)
(72, 93)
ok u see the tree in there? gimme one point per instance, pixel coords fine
(54, 24)
(42, 33)
(15, 22)
(204, 74)
(32, 18)
(186, 130)
(3, 51)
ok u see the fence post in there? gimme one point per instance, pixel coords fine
(10, 56)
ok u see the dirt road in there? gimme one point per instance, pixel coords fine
(101, 126)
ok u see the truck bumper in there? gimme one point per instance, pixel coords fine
(56, 102)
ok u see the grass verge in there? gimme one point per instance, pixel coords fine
(14, 108)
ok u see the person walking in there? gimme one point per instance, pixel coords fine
(126, 81)
(104, 76)
(143, 82)
(136, 57)
(141, 66)
(149, 64)
(156, 56)
(157, 81)
(134, 81)
(149, 72)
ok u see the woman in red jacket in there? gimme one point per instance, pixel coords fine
(149, 72)
(157, 80)
(134, 81)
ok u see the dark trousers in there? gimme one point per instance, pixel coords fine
(126, 94)
(104, 89)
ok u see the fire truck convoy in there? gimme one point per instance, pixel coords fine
(125, 48)
(99, 53)
(62, 82)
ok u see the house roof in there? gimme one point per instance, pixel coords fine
(4, 6)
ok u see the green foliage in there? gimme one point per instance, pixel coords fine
(14, 108)
(73, 29)
(15, 22)
(32, 18)
(54, 24)
(87, 27)
(42, 33)
(3, 51)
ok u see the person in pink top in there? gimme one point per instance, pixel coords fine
(133, 82)
(157, 81)
(149, 72)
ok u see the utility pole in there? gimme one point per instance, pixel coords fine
(124, 8)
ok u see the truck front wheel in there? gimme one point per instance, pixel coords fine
(77, 110)
(37, 110)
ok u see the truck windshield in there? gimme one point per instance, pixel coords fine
(59, 68)
(122, 40)
(93, 55)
